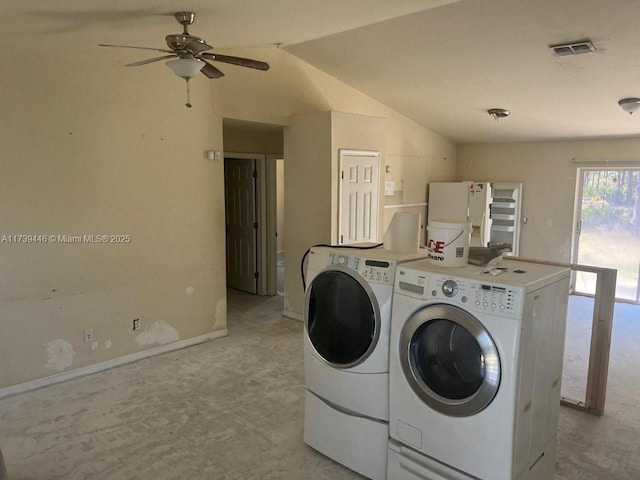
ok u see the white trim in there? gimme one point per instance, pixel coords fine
(605, 161)
(577, 221)
(358, 153)
(407, 205)
(109, 364)
(271, 225)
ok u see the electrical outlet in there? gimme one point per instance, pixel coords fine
(136, 324)
(88, 335)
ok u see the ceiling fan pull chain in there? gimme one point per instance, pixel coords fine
(188, 104)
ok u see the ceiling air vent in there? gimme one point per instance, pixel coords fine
(573, 48)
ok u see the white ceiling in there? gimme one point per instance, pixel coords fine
(442, 63)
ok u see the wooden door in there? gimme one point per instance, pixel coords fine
(240, 204)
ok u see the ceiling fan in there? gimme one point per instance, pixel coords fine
(190, 54)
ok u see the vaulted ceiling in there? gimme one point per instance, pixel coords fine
(442, 63)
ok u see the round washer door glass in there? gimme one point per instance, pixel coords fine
(341, 318)
(450, 360)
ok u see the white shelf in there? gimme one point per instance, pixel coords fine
(503, 204)
(503, 228)
(502, 216)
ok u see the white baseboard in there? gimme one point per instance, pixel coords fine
(292, 315)
(116, 362)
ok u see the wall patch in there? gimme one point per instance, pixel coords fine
(159, 332)
(60, 354)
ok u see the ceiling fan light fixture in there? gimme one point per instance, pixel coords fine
(186, 67)
(192, 57)
(498, 113)
(629, 105)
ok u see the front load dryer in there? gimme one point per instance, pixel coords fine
(346, 354)
(475, 371)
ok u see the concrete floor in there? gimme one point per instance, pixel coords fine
(604, 447)
(232, 409)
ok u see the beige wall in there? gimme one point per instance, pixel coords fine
(354, 132)
(415, 157)
(307, 197)
(105, 151)
(312, 144)
(110, 150)
(292, 89)
(251, 138)
(548, 173)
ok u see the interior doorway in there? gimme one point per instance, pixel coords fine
(245, 136)
(240, 188)
(607, 228)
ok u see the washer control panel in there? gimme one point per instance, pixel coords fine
(373, 271)
(471, 294)
(492, 298)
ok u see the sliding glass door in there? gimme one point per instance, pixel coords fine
(608, 228)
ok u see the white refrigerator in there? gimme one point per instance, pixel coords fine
(493, 208)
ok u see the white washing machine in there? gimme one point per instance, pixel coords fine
(346, 354)
(475, 371)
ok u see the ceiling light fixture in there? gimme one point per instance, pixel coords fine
(629, 105)
(498, 113)
(187, 68)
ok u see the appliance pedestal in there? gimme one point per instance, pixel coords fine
(357, 442)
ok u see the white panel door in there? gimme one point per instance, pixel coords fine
(359, 191)
(240, 203)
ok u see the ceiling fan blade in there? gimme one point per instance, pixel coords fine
(139, 48)
(243, 62)
(150, 60)
(197, 47)
(211, 71)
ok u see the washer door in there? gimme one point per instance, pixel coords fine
(450, 360)
(342, 318)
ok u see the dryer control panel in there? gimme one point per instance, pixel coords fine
(373, 271)
(472, 295)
